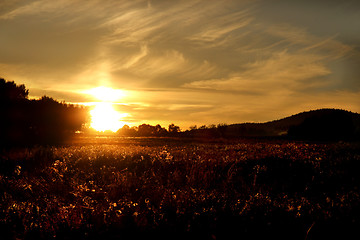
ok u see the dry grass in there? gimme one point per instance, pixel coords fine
(163, 188)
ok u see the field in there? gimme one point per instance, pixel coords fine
(175, 189)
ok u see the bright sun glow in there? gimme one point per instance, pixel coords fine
(106, 94)
(104, 117)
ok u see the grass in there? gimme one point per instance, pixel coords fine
(163, 188)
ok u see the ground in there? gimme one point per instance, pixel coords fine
(180, 188)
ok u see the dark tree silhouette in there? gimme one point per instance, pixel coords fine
(160, 131)
(46, 120)
(13, 103)
(127, 131)
(330, 125)
(53, 121)
(146, 130)
(143, 130)
(173, 128)
(9, 91)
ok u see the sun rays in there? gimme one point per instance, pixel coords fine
(104, 117)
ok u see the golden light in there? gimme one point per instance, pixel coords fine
(104, 117)
(106, 94)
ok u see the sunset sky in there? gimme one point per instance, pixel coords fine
(187, 62)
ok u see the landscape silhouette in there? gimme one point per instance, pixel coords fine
(292, 178)
(44, 120)
(158, 119)
(49, 121)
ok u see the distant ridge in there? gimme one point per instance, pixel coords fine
(321, 124)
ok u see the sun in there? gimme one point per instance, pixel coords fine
(103, 116)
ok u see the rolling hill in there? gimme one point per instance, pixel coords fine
(321, 124)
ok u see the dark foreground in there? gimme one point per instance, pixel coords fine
(172, 189)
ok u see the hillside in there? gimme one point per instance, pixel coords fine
(322, 124)
(317, 124)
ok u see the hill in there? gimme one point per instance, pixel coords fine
(321, 124)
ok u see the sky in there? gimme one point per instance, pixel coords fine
(187, 62)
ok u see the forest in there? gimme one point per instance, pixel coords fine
(44, 120)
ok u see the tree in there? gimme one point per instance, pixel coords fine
(52, 121)
(13, 104)
(329, 125)
(160, 131)
(173, 128)
(194, 127)
(221, 128)
(146, 130)
(45, 120)
(9, 91)
(127, 131)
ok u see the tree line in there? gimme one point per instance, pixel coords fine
(31, 121)
(48, 121)
(147, 130)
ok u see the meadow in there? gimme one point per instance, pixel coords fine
(129, 188)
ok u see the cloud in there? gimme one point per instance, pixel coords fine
(220, 26)
(35, 7)
(212, 61)
(69, 11)
(136, 58)
(292, 60)
(281, 72)
(203, 107)
(120, 41)
(161, 65)
(147, 24)
(301, 38)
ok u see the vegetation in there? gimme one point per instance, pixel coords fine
(146, 130)
(319, 125)
(178, 189)
(330, 124)
(203, 184)
(48, 121)
(24, 121)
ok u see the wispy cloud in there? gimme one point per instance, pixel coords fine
(35, 7)
(171, 64)
(302, 39)
(293, 61)
(76, 9)
(220, 26)
(282, 71)
(210, 60)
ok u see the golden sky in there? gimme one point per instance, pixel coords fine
(187, 62)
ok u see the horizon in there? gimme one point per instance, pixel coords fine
(187, 63)
(101, 129)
